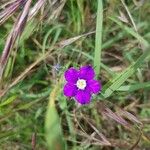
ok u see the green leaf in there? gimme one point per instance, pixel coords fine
(8, 101)
(118, 80)
(134, 87)
(53, 132)
(98, 40)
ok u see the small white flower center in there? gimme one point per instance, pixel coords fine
(81, 84)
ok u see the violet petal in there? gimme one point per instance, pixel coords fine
(94, 86)
(83, 96)
(86, 72)
(70, 90)
(71, 75)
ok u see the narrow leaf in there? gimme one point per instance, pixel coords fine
(98, 40)
(134, 87)
(117, 81)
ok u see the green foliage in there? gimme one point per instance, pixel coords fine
(118, 80)
(53, 131)
(98, 40)
(77, 33)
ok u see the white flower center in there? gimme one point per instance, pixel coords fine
(81, 84)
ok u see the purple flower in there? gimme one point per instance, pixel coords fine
(81, 84)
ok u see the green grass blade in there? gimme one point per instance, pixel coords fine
(134, 87)
(113, 85)
(8, 101)
(98, 40)
(131, 32)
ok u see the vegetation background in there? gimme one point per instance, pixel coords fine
(40, 39)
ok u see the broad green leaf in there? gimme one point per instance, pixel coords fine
(53, 131)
